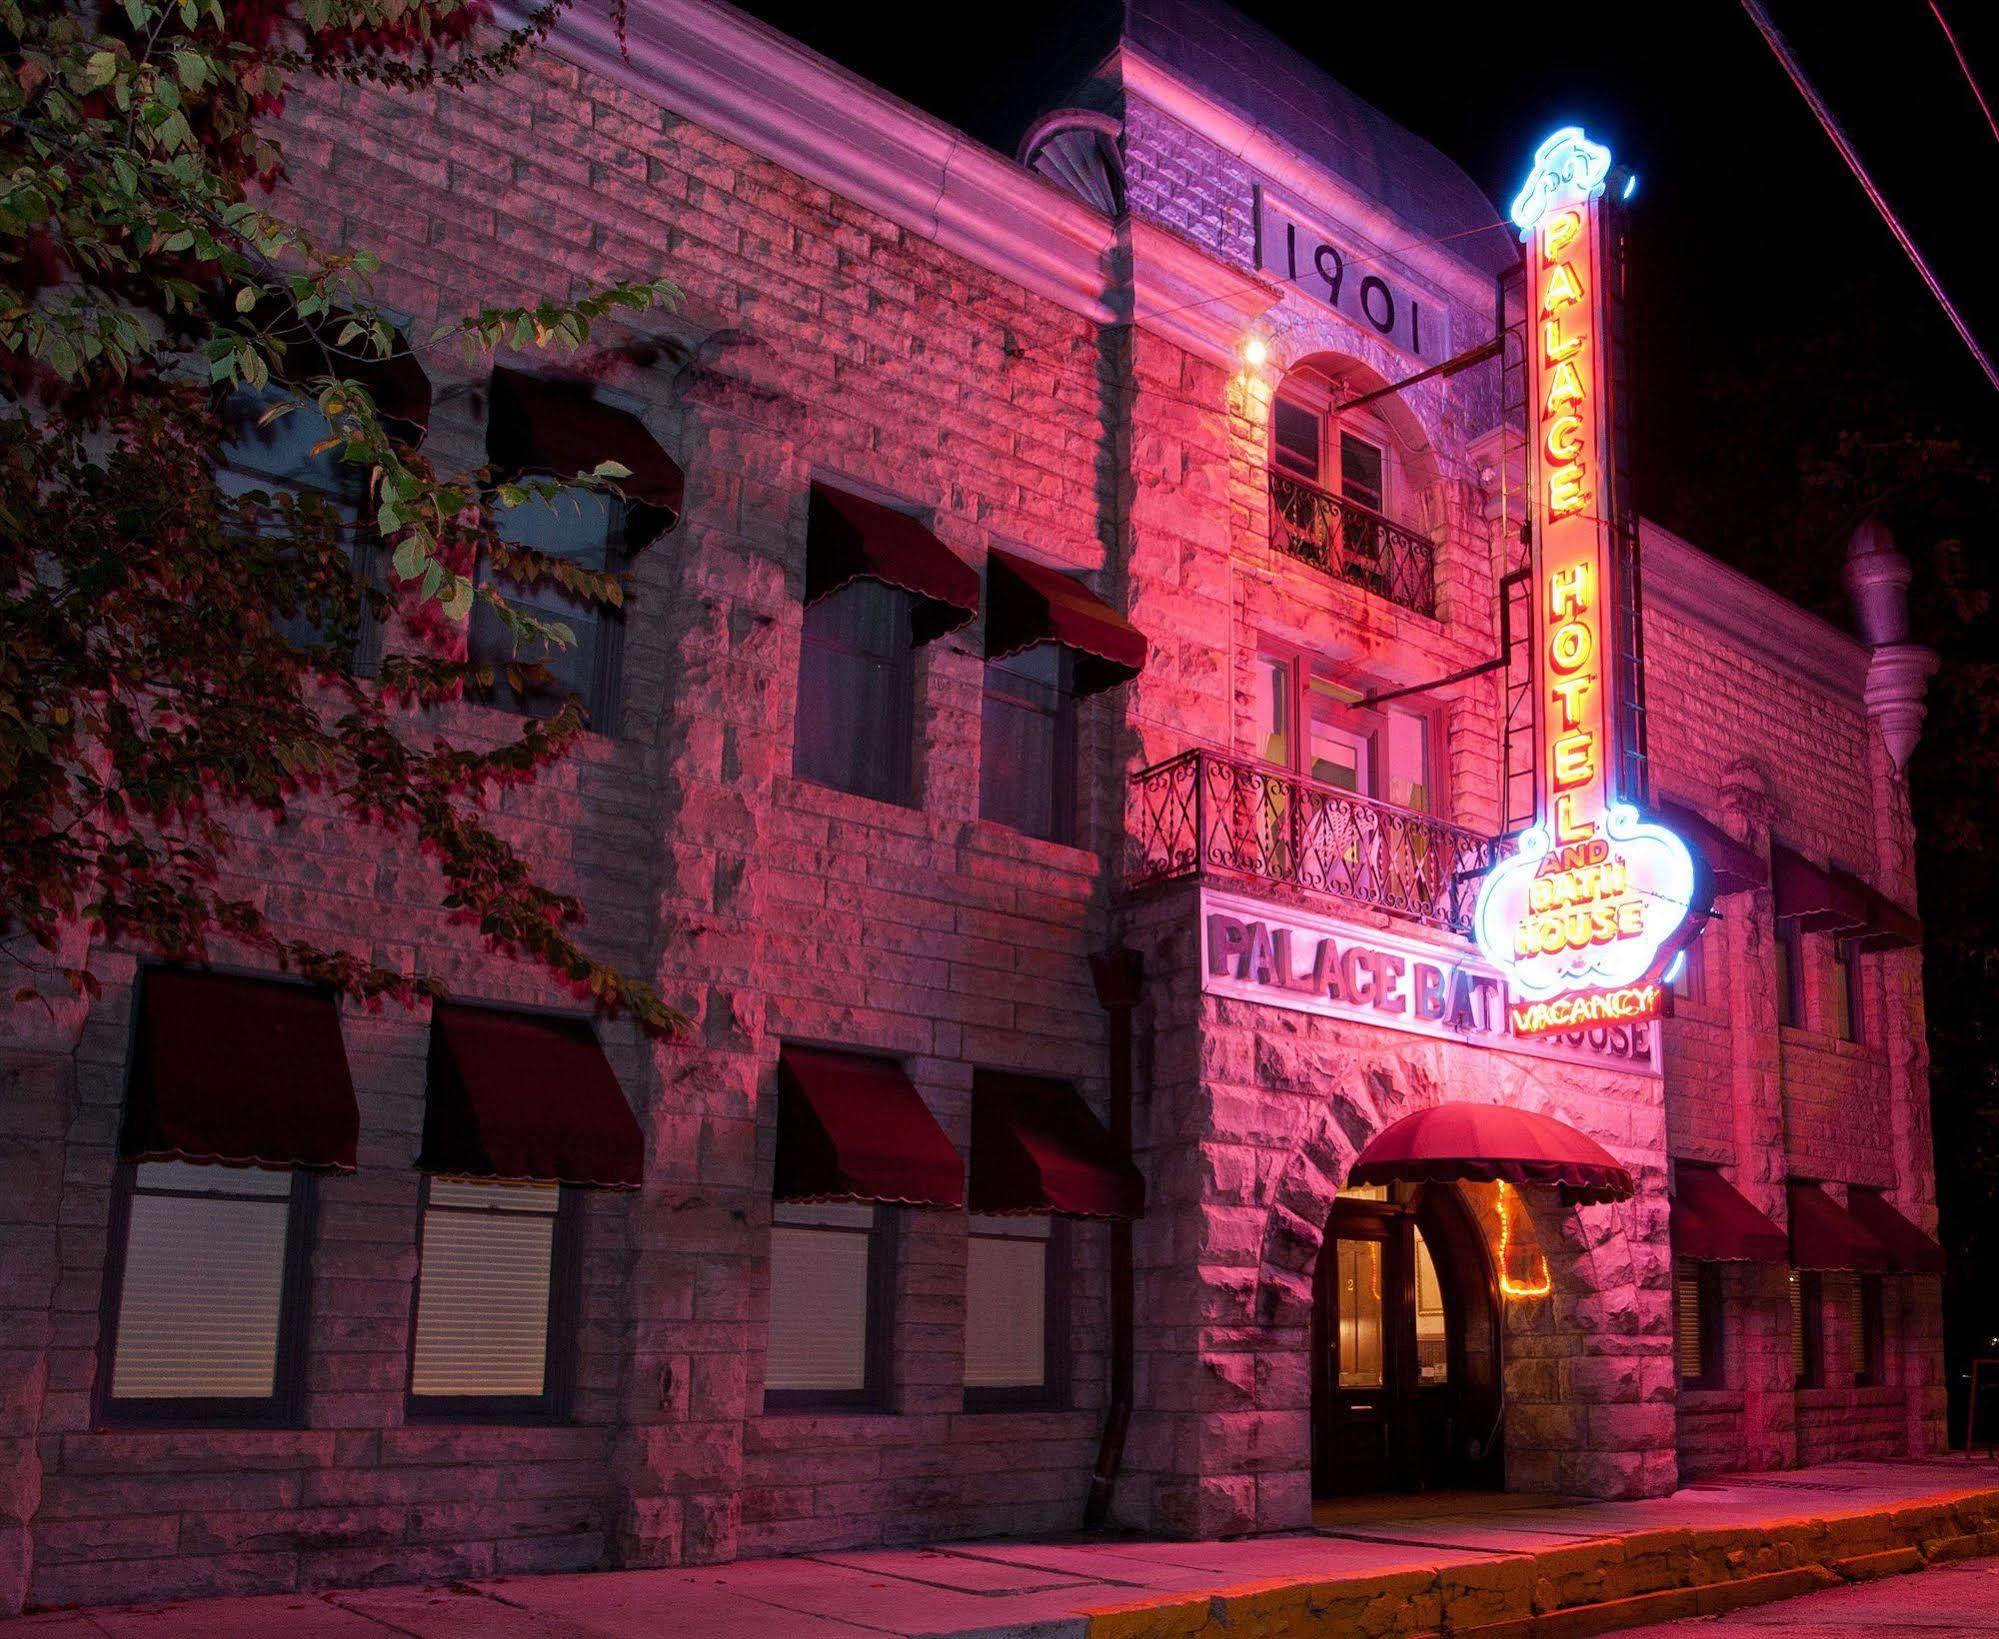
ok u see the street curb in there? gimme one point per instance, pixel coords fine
(1572, 1591)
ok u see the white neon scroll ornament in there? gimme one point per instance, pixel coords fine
(1568, 170)
(1661, 881)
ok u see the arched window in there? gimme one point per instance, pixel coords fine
(1343, 498)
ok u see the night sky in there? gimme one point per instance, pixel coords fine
(1750, 235)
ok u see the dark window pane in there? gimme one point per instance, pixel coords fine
(1027, 754)
(1361, 471)
(856, 679)
(1295, 438)
(578, 525)
(275, 458)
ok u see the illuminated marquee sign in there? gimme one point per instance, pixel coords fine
(1589, 915)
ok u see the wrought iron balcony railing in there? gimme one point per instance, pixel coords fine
(1206, 815)
(1350, 543)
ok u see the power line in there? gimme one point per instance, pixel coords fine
(1970, 79)
(1831, 127)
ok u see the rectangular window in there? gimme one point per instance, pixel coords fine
(494, 1301)
(277, 458)
(1027, 744)
(1807, 1329)
(582, 527)
(1697, 1325)
(1690, 977)
(1788, 953)
(1407, 754)
(1363, 472)
(1015, 1278)
(1387, 753)
(832, 1272)
(208, 1312)
(1845, 993)
(1271, 725)
(1865, 1295)
(856, 693)
(1294, 438)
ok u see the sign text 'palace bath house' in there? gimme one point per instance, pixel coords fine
(1588, 916)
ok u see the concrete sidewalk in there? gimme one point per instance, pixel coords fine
(1492, 1566)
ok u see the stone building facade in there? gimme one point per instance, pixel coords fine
(875, 304)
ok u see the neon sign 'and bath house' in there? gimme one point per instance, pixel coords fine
(1256, 932)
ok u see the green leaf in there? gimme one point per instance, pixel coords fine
(611, 469)
(246, 298)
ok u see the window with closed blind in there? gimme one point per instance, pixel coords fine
(495, 1301)
(1697, 1336)
(1016, 1278)
(1027, 744)
(1864, 1297)
(832, 1270)
(207, 1318)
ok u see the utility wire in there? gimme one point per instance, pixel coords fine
(1970, 78)
(1831, 126)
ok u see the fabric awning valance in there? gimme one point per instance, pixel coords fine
(1037, 1148)
(538, 424)
(525, 1096)
(1029, 603)
(1488, 1143)
(1824, 1235)
(1889, 927)
(246, 1072)
(850, 538)
(1735, 866)
(1912, 1252)
(853, 1128)
(1712, 1222)
(1817, 899)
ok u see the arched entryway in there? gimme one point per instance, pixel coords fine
(1405, 1345)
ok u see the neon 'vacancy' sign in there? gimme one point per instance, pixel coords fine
(1588, 915)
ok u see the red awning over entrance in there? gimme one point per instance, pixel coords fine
(1735, 866)
(1913, 1252)
(1037, 1148)
(850, 538)
(558, 428)
(1029, 603)
(1485, 1143)
(852, 1128)
(527, 1096)
(1824, 1235)
(246, 1072)
(1713, 1222)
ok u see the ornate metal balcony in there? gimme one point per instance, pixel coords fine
(1347, 541)
(1204, 815)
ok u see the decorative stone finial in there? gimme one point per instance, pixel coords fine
(1898, 675)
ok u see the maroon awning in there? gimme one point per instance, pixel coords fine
(1486, 1143)
(1889, 927)
(1817, 899)
(542, 424)
(853, 1128)
(525, 1096)
(1912, 1252)
(1735, 866)
(849, 538)
(1028, 603)
(1037, 1148)
(1824, 1235)
(247, 1072)
(1712, 1222)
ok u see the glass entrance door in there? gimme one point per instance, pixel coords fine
(1386, 1348)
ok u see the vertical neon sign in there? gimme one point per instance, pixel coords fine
(1587, 916)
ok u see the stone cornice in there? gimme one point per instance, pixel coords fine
(757, 87)
(1146, 77)
(1177, 289)
(1747, 617)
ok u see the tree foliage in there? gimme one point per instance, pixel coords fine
(177, 661)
